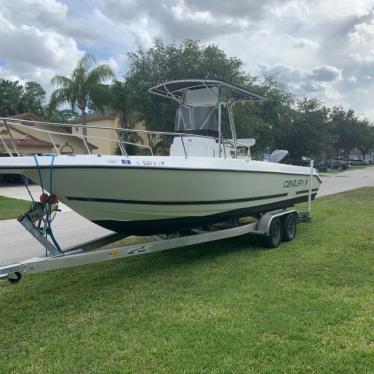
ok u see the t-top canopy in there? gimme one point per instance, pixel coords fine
(200, 92)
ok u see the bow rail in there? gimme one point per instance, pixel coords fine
(9, 142)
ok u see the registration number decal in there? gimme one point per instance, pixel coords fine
(153, 163)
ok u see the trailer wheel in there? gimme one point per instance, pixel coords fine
(275, 234)
(289, 227)
(17, 279)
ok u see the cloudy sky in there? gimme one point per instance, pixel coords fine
(322, 48)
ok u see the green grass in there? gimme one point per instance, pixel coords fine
(12, 208)
(225, 307)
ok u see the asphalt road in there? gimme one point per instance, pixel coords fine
(71, 229)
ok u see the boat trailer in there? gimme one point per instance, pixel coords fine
(273, 226)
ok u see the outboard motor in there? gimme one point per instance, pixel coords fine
(280, 156)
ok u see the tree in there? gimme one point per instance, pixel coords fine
(85, 89)
(52, 114)
(10, 97)
(365, 137)
(312, 135)
(33, 99)
(345, 126)
(272, 120)
(161, 63)
(15, 98)
(119, 101)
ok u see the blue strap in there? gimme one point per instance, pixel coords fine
(51, 175)
(25, 181)
(49, 210)
(49, 229)
(50, 233)
(39, 172)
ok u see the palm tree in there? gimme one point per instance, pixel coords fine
(119, 103)
(84, 89)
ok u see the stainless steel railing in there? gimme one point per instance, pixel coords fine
(9, 143)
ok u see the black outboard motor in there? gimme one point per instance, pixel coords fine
(280, 156)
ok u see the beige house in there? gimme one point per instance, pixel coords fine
(29, 140)
(101, 132)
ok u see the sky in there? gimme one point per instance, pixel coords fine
(316, 48)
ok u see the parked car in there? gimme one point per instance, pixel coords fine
(11, 179)
(333, 164)
(359, 162)
(303, 161)
(337, 164)
(322, 166)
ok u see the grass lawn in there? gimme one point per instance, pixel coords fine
(226, 307)
(12, 208)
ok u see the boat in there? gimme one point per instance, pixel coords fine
(208, 175)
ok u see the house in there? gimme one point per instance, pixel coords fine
(102, 132)
(28, 140)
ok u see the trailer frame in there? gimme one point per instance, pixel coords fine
(88, 252)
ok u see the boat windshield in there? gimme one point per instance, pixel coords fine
(197, 120)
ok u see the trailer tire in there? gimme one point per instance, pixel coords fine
(275, 235)
(17, 279)
(289, 227)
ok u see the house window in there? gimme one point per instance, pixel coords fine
(67, 149)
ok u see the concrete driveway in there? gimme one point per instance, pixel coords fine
(17, 244)
(348, 180)
(70, 228)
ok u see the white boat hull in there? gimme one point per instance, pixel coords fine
(149, 195)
